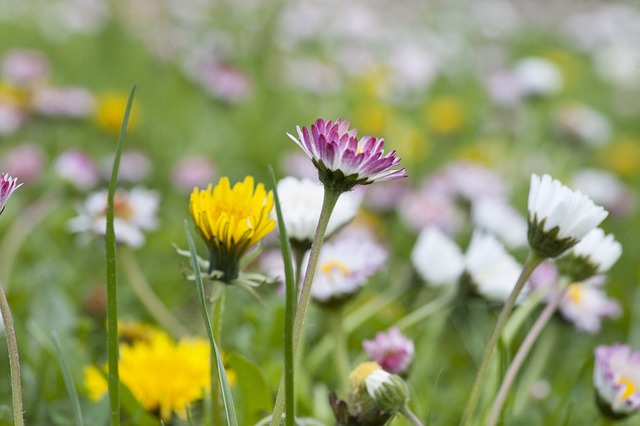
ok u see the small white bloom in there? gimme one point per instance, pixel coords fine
(389, 391)
(600, 250)
(344, 266)
(301, 201)
(538, 76)
(492, 270)
(499, 218)
(552, 205)
(437, 258)
(585, 124)
(134, 212)
(585, 305)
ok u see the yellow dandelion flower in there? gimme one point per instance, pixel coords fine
(94, 383)
(231, 220)
(131, 332)
(445, 115)
(110, 112)
(163, 376)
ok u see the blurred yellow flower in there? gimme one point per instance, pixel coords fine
(110, 112)
(94, 382)
(164, 376)
(372, 118)
(445, 115)
(132, 332)
(623, 156)
(231, 220)
(407, 139)
(12, 94)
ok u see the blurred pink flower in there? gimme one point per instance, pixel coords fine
(225, 83)
(77, 168)
(192, 172)
(420, 209)
(72, 102)
(135, 166)
(393, 351)
(11, 117)
(25, 161)
(24, 67)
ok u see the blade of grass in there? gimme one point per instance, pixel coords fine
(227, 398)
(290, 308)
(112, 277)
(68, 379)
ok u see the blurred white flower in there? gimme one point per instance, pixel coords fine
(301, 201)
(11, 117)
(584, 124)
(585, 305)
(503, 88)
(558, 216)
(421, 209)
(618, 64)
(538, 76)
(437, 258)
(606, 189)
(344, 266)
(493, 272)
(499, 218)
(134, 212)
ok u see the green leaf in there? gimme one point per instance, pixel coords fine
(68, 379)
(253, 386)
(227, 398)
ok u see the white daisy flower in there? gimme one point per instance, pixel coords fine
(301, 201)
(616, 377)
(497, 217)
(493, 272)
(134, 212)
(585, 305)
(344, 266)
(437, 258)
(558, 216)
(594, 254)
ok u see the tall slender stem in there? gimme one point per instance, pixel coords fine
(409, 415)
(217, 307)
(14, 360)
(532, 262)
(521, 355)
(328, 204)
(341, 352)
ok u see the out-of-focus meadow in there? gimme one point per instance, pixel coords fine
(475, 96)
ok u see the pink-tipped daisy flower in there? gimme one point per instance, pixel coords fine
(342, 160)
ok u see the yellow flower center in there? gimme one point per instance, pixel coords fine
(361, 372)
(334, 265)
(574, 293)
(629, 387)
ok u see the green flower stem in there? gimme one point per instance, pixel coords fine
(341, 352)
(14, 360)
(521, 355)
(427, 309)
(149, 299)
(298, 255)
(217, 310)
(532, 262)
(409, 415)
(328, 204)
